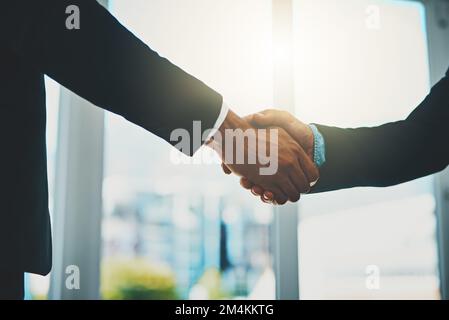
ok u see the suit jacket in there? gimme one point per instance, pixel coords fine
(102, 62)
(392, 153)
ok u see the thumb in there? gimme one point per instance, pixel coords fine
(261, 119)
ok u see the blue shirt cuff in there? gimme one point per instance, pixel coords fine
(319, 152)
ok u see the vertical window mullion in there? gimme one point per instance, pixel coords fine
(285, 231)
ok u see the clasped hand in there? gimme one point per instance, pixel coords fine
(296, 172)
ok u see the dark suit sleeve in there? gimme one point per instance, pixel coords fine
(106, 64)
(392, 153)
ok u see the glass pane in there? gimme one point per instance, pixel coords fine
(185, 230)
(362, 63)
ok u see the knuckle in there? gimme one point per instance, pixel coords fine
(285, 113)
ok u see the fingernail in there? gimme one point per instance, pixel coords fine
(313, 183)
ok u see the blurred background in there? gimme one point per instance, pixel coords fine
(139, 226)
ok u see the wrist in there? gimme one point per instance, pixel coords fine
(319, 149)
(231, 122)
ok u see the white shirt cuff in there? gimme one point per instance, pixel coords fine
(221, 118)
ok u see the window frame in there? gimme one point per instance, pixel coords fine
(438, 58)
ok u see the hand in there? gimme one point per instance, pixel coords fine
(295, 170)
(299, 131)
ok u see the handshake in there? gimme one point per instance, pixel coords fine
(271, 151)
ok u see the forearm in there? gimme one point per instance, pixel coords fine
(368, 157)
(390, 154)
(106, 64)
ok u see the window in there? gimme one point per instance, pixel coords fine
(364, 63)
(186, 231)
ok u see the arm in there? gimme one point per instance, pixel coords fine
(381, 156)
(106, 64)
(392, 153)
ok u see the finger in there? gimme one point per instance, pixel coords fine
(225, 168)
(299, 179)
(245, 183)
(280, 201)
(279, 197)
(290, 190)
(268, 195)
(298, 195)
(265, 200)
(308, 167)
(258, 190)
(296, 198)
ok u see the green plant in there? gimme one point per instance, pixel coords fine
(211, 282)
(136, 279)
